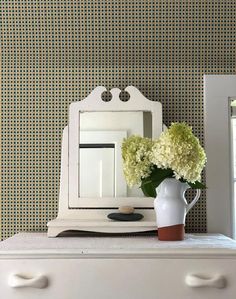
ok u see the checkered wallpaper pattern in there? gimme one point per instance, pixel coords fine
(54, 52)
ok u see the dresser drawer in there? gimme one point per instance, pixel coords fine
(118, 278)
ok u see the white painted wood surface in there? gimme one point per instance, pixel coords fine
(36, 243)
(201, 266)
(70, 216)
(218, 89)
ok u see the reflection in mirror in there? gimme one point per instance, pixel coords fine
(101, 136)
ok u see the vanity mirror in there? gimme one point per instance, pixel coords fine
(99, 151)
(92, 182)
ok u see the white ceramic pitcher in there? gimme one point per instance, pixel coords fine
(171, 206)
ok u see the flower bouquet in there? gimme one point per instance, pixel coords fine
(177, 153)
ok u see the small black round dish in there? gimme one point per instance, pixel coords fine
(125, 217)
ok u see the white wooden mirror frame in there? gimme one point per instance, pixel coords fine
(93, 218)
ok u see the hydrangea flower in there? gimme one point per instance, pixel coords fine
(179, 150)
(176, 153)
(136, 154)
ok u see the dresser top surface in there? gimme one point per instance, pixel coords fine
(39, 243)
(32, 241)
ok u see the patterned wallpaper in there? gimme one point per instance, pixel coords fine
(54, 52)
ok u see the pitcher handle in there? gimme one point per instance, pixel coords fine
(192, 203)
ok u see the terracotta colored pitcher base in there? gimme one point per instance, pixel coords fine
(171, 233)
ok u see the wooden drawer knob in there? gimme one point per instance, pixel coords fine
(23, 281)
(197, 281)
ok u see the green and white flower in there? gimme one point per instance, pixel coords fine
(176, 153)
(136, 154)
(178, 149)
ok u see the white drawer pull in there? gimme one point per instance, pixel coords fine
(197, 281)
(20, 281)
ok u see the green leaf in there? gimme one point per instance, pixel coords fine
(148, 189)
(197, 185)
(150, 184)
(158, 175)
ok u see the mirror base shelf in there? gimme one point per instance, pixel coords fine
(58, 226)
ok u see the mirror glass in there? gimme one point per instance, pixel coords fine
(100, 162)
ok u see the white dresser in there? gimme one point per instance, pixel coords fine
(34, 266)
